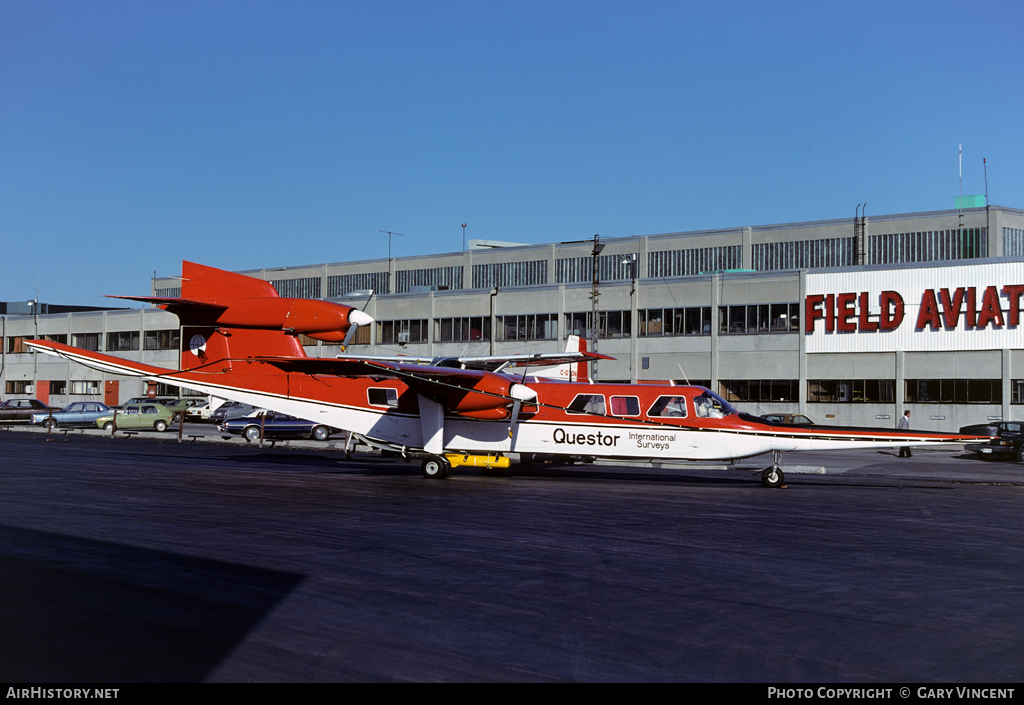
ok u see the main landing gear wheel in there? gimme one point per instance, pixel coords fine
(772, 477)
(435, 467)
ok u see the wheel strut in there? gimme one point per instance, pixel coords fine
(772, 476)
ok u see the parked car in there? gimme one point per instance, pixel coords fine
(275, 427)
(79, 413)
(1007, 441)
(16, 410)
(155, 416)
(199, 412)
(147, 400)
(787, 418)
(182, 406)
(230, 410)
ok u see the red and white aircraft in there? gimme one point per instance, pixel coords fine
(240, 342)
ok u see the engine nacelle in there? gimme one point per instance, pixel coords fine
(489, 398)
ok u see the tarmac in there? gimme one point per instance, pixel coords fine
(139, 559)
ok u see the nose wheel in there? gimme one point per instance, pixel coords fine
(772, 476)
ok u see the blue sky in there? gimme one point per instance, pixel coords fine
(249, 134)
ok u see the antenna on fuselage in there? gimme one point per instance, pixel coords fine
(683, 374)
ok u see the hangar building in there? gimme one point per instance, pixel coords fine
(848, 321)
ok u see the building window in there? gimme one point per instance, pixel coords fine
(763, 390)
(1017, 391)
(86, 341)
(58, 387)
(19, 386)
(611, 324)
(405, 331)
(759, 318)
(301, 288)
(171, 293)
(842, 391)
(462, 330)
(510, 274)
(434, 278)
(122, 341)
(163, 339)
(681, 263)
(87, 386)
(581, 269)
(695, 320)
(929, 246)
(803, 254)
(342, 284)
(56, 338)
(16, 344)
(1013, 242)
(954, 391)
(530, 326)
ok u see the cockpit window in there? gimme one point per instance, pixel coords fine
(711, 406)
(669, 406)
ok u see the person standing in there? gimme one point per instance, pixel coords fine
(904, 425)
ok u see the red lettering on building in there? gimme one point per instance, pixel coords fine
(929, 313)
(1013, 292)
(891, 318)
(846, 312)
(940, 309)
(990, 310)
(865, 322)
(951, 307)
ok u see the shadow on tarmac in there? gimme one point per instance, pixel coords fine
(79, 610)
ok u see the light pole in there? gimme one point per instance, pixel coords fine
(389, 234)
(594, 294)
(463, 237)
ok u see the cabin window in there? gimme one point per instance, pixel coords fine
(625, 406)
(669, 406)
(587, 404)
(383, 397)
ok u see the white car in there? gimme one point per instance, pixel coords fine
(199, 412)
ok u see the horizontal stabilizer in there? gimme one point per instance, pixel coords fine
(98, 361)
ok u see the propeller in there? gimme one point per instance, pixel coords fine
(519, 394)
(356, 318)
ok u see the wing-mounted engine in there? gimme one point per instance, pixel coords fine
(475, 394)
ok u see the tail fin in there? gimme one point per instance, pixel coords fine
(570, 371)
(202, 283)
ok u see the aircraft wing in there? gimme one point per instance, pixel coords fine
(413, 374)
(496, 362)
(491, 363)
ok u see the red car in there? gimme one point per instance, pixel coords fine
(14, 410)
